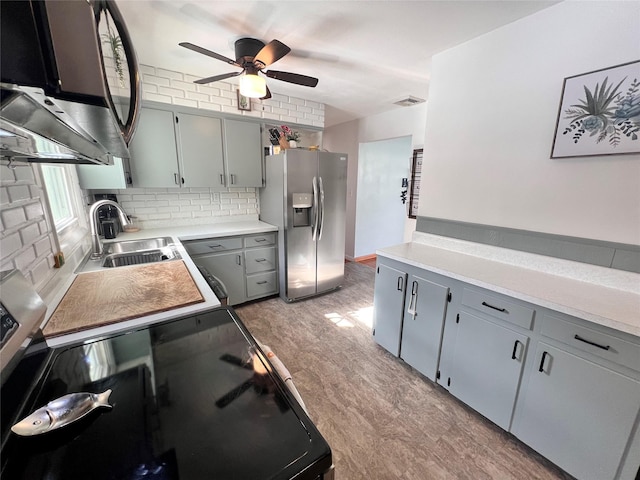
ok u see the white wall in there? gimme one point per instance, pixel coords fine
(346, 137)
(492, 110)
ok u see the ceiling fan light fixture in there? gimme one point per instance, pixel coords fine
(253, 86)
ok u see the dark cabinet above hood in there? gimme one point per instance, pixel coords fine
(66, 95)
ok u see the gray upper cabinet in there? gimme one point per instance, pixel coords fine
(200, 147)
(154, 154)
(243, 153)
(173, 148)
(94, 177)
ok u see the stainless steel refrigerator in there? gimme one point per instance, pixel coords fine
(305, 197)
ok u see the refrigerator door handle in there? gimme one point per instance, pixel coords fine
(321, 215)
(314, 228)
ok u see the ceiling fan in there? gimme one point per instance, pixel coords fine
(253, 56)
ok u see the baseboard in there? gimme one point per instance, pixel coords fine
(364, 258)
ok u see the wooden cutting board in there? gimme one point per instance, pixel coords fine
(100, 298)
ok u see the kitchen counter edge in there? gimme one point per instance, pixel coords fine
(616, 308)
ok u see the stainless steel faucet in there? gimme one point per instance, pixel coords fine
(96, 245)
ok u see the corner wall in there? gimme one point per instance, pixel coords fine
(492, 111)
(346, 137)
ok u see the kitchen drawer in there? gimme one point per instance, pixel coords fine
(209, 245)
(260, 260)
(499, 307)
(260, 240)
(606, 346)
(262, 284)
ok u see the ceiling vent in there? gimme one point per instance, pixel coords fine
(407, 102)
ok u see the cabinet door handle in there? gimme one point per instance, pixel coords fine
(495, 308)
(544, 357)
(233, 179)
(515, 349)
(412, 302)
(580, 339)
(175, 179)
(400, 283)
(215, 246)
(260, 260)
(221, 179)
(261, 283)
(239, 259)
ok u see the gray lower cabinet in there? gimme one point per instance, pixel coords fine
(409, 310)
(246, 265)
(487, 366)
(388, 307)
(566, 387)
(425, 308)
(578, 414)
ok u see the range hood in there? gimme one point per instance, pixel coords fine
(67, 95)
(34, 127)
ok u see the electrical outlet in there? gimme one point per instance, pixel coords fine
(216, 196)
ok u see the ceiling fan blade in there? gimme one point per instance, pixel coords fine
(215, 78)
(293, 78)
(270, 53)
(267, 96)
(208, 53)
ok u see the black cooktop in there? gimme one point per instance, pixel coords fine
(192, 399)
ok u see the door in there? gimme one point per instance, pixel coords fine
(487, 364)
(380, 213)
(154, 155)
(388, 306)
(243, 152)
(577, 414)
(301, 167)
(201, 150)
(332, 183)
(229, 268)
(425, 308)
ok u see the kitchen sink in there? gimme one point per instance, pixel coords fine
(136, 258)
(132, 252)
(137, 245)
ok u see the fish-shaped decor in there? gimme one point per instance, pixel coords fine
(60, 412)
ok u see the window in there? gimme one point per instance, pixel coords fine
(60, 201)
(65, 204)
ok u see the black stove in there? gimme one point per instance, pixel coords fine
(194, 398)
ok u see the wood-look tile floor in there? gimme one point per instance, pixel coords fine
(382, 419)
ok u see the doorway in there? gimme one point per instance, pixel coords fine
(380, 211)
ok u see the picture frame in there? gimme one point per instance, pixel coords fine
(244, 103)
(599, 113)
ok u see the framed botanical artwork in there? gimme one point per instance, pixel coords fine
(244, 103)
(599, 113)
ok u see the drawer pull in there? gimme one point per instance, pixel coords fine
(495, 308)
(580, 339)
(515, 349)
(261, 283)
(258, 240)
(215, 246)
(544, 357)
(260, 260)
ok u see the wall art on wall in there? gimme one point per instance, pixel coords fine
(244, 103)
(599, 113)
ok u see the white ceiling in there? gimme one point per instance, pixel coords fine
(366, 54)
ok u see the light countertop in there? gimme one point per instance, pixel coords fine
(194, 232)
(600, 295)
